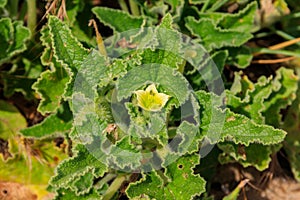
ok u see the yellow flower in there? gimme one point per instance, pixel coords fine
(150, 99)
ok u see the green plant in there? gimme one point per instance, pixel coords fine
(140, 113)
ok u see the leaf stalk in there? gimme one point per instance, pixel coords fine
(114, 187)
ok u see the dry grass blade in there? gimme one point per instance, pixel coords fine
(99, 39)
(273, 61)
(280, 46)
(284, 44)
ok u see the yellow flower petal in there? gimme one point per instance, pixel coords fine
(150, 99)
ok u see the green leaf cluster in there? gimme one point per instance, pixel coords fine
(113, 80)
(262, 102)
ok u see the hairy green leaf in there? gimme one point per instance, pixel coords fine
(92, 69)
(84, 183)
(178, 173)
(65, 46)
(240, 57)
(154, 10)
(72, 168)
(58, 123)
(241, 21)
(213, 37)
(264, 100)
(188, 136)
(237, 128)
(209, 71)
(254, 101)
(112, 72)
(162, 51)
(285, 85)
(292, 141)
(51, 86)
(253, 97)
(13, 36)
(65, 55)
(124, 155)
(256, 155)
(175, 85)
(215, 16)
(118, 20)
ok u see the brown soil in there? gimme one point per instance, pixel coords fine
(15, 191)
(275, 183)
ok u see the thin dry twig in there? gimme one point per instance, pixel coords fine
(273, 61)
(280, 45)
(62, 12)
(254, 187)
(51, 8)
(284, 44)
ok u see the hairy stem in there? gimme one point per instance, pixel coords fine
(204, 7)
(286, 36)
(105, 179)
(31, 13)
(134, 8)
(123, 5)
(114, 187)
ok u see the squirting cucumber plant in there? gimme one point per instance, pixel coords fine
(144, 111)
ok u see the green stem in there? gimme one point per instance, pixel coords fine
(263, 34)
(146, 114)
(13, 4)
(31, 13)
(134, 8)
(286, 36)
(204, 7)
(105, 179)
(282, 52)
(162, 176)
(114, 187)
(123, 5)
